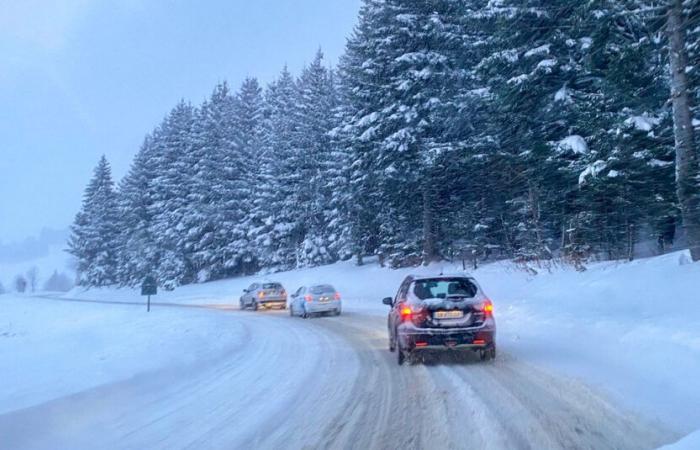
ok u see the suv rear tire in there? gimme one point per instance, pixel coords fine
(488, 354)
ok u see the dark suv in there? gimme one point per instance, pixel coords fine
(441, 313)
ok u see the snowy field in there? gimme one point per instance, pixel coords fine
(613, 350)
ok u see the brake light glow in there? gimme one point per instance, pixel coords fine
(261, 294)
(308, 298)
(406, 312)
(488, 308)
(337, 296)
(479, 342)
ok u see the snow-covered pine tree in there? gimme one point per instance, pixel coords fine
(255, 165)
(357, 68)
(276, 202)
(171, 182)
(405, 91)
(337, 168)
(94, 233)
(136, 248)
(219, 198)
(310, 162)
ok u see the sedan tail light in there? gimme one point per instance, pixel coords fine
(308, 298)
(337, 296)
(261, 294)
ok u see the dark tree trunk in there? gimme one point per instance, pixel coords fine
(428, 227)
(687, 168)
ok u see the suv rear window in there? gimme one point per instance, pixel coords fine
(322, 288)
(443, 288)
(272, 286)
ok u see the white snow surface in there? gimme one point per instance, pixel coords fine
(573, 143)
(690, 442)
(592, 170)
(628, 330)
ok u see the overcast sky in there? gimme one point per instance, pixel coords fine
(79, 78)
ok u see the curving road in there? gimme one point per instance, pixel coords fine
(331, 383)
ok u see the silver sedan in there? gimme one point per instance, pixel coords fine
(315, 300)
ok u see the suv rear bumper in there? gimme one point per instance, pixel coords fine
(447, 339)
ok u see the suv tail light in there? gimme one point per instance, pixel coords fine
(411, 313)
(487, 308)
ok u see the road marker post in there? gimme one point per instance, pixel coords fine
(149, 287)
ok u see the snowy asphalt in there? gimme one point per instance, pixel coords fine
(330, 383)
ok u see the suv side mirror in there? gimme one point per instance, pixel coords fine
(245, 290)
(387, 301)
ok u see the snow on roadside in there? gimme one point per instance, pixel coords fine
(49, 349)
(690, 442)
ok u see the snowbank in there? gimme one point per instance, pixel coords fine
(49, 349)
(690, 442)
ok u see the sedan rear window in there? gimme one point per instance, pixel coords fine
(444, 288)
(272, 286)
(322, 288)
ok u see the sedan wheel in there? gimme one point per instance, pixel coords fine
(241, 305)
(255, 306)
(291, 311)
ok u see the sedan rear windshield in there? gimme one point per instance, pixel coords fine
(444, 288)
(322, 288)
(272, 286)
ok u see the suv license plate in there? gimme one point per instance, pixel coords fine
(448, 314)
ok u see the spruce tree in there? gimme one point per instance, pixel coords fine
(94, 232)
(137, 252)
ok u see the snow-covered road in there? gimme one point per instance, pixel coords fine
(328, 383)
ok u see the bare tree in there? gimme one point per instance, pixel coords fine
(20, 284)
(32, 278)
(687, 169)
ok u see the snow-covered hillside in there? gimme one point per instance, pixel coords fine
(629, 330)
